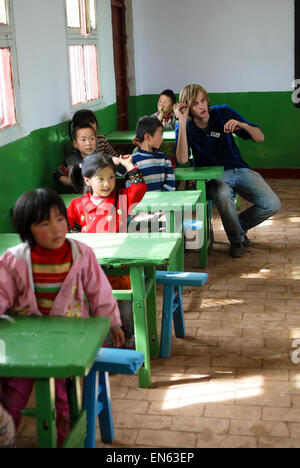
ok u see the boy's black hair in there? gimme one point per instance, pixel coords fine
(82, 125)
(81, 116)
(170, 94)
(34, 207)
(90, 166)
(145, 125)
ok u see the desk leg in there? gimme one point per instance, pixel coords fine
(140, 322)
(151, 312)
(201, 185)
(45, 412)
(74, 398)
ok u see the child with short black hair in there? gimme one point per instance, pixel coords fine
(103, 207)
(156, 166)
(84, 143)
(88, 116)
(165, 109)
(81, 119)
(47, 275)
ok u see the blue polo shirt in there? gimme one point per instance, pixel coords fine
(211, 146)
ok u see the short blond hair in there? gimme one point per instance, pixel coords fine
(190, 92)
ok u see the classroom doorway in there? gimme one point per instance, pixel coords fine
(120, 61)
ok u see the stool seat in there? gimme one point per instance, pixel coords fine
(96, 394)
(118, 361)
(181, 278)
(172, 304)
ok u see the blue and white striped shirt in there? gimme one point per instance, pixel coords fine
(157, 170)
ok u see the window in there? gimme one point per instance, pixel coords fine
(3, 12)
(83, 53)
(9, 125)
(7, 100)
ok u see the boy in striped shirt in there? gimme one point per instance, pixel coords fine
(156, 169)
(155, 166)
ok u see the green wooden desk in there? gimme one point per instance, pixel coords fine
(142, 253)
(170, 202)
(45, 348)
(177, 206)
(126, 136)
(201, 175)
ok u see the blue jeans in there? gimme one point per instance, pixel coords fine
(252, 187)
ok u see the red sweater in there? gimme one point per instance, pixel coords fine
(112, 215)
(49, 268)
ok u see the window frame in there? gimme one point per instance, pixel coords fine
(7, 40)
(296, 83)
(75, 38)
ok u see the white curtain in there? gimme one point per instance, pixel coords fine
(7, 101)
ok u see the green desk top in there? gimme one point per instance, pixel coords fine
(131, 249)
(168, 201)
(198, 173)
(43, 347)
(111, 249)
(126, 136)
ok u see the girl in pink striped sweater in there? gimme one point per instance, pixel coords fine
(47, 275)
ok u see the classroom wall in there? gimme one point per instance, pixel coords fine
(242, 52)
(45, 98)
(227, 46)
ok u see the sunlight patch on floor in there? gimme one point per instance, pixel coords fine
(216, 391)
(263, 273)
(206, 303)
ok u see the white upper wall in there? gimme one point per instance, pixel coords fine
(225, 45)
(43, 61)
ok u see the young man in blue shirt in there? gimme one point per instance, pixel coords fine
(207, 132)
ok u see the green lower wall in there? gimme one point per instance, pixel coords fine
(274, 112)
(28, 163)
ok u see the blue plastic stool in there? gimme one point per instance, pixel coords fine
(172, 304)
(96, 392)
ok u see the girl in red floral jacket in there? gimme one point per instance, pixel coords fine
(105, 209)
